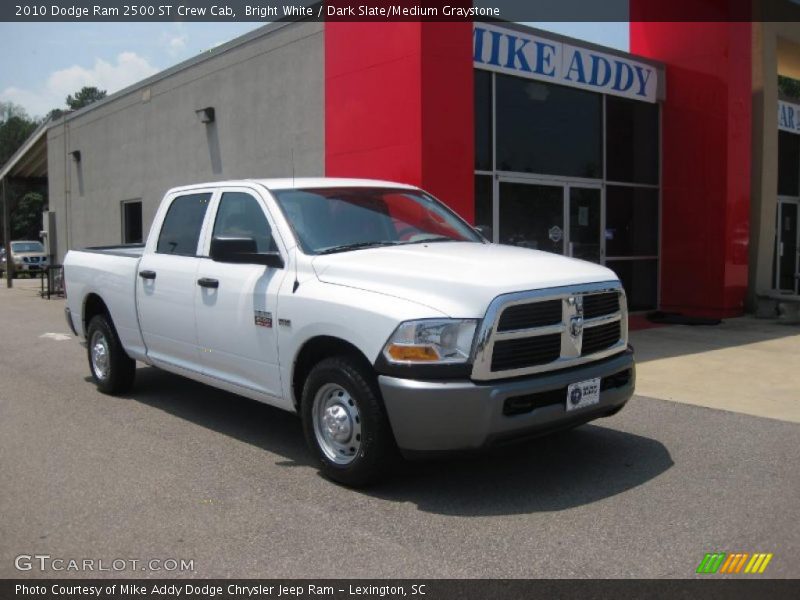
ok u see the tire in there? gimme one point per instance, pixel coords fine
(112, 369)
(345, 423)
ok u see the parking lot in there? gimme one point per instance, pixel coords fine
(177, 470)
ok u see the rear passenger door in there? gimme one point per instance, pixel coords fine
(236, 304)
(166, 285)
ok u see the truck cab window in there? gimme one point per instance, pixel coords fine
(181, 229)
(240, 215)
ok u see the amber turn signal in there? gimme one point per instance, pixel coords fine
(400, 352)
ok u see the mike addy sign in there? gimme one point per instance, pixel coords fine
(518, 53)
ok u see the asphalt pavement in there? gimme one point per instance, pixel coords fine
(177, 470)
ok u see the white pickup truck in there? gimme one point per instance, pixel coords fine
(369, 308)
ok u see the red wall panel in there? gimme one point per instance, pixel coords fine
(705, 160)
(399, 106)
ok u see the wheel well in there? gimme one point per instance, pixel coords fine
(93, 306)
(315, 350)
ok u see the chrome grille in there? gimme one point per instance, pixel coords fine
(543, 330)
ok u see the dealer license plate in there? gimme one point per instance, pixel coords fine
(583, 394)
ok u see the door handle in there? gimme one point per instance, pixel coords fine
(208, 283)
(147, 274)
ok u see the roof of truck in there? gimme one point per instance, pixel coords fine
(324, 182)
(290, 183)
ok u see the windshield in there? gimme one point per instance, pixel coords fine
(27, 247)
(330, 220)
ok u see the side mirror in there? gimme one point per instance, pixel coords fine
(485, 231)
(242, 251)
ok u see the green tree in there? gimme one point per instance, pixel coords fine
(84, 97)
(26, 221)
(15, 127)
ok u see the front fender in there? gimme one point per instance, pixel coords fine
(361, 318)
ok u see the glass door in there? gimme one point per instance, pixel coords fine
(585, 223)
(788, 250)
(554, 216)
(531, 215)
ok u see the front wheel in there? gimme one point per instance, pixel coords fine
(344, 422)
(112, 369)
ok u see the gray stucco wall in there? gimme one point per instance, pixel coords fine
(268, 96)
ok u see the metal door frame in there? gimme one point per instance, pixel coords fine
(565, 183)
(782, 200)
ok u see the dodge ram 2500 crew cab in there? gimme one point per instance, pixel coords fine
(369, 308)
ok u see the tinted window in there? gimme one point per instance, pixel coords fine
(483, 121)
(240, 215)
(640, 280)
(632, 141)
(483, 200)
(631, 221)
(131, 222)
(548, 129)
(181, 229)
(788, 164)
(532, 216)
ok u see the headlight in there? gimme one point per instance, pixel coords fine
(444, 341)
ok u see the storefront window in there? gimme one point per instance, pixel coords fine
(547, 129)
(483, 121)
(640, 279)
(483, 201)
(548, 140)
(632, 141)
(631, 221)
(788, 164)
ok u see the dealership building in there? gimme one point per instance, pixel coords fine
(676, 165)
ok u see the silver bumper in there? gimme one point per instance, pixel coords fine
(440, 416)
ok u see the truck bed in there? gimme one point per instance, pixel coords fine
(111, 272)
(135, 250)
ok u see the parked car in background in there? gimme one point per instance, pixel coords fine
(28, 257)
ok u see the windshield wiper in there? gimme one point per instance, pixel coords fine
(435, 238)
(355, 246)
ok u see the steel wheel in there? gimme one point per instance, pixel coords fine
(100, 355)
(337, 423)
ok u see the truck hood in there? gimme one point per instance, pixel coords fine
(459, 279)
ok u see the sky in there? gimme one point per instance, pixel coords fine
(41, 63)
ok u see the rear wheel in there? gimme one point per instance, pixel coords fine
(345, 424)
(112, 369)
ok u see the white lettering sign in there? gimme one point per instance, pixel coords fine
(518, 53)
(788, 117)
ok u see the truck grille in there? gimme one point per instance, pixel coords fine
(526, 352)
(525, 316)
(531, 332)
(600, 337)
(597, 305)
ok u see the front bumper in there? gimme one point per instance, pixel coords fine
(30, 268)
(441, 416)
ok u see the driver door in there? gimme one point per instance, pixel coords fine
(236, 304)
